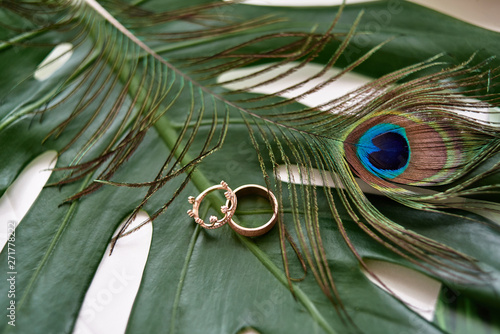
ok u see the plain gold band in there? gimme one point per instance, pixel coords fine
(255, 189)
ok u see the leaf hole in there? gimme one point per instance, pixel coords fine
(54, 61)
(299, 3)
(248, 79)
(248, 330)
(316, 177)
(418, 291)
(110, 297)
(22, 193)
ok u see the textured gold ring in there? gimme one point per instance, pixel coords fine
(255, 189)
(227, 210)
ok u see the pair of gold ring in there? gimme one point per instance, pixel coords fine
(230, 207)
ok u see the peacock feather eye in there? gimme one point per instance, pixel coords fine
(384, 150)
(406, 148)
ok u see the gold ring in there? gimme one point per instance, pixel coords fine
(255, 189)
(228, 211)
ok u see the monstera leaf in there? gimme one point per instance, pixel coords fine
(141, 121)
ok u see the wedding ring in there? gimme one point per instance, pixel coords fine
(254, 189)
(227, 210)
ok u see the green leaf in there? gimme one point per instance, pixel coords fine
(213, 281)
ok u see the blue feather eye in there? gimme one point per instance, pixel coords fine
(384, 150)
(409, 148)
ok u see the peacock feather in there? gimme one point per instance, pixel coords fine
(412, 134)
